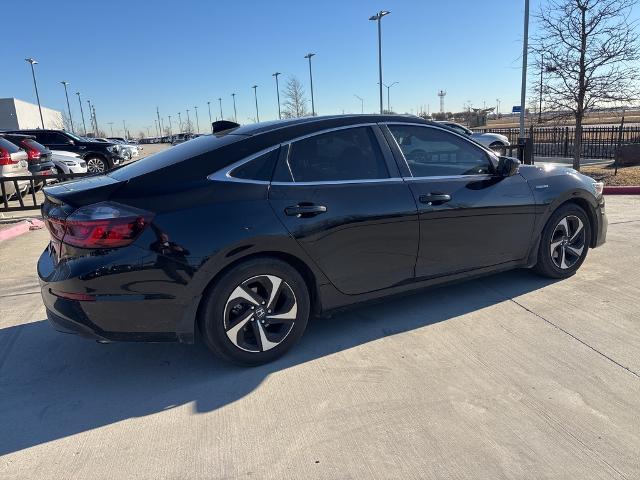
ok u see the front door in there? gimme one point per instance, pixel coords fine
(334, 193)
(469, 217)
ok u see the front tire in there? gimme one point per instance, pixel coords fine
(96, 165)
(255, 312)
(564, 242)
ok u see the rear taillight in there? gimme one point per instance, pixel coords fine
(101, 225)
(32, 153)
(5, 157)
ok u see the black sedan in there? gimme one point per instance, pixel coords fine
(241, 235)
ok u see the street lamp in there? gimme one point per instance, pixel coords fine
(525, 51)
(235, 113)
(179, 122)
(124, 127)
(210, 121)
(68, 107)
(188, 122)
(33, 73)
(378, 18)
(308, 56)
(361, 102)
(278, 93)
(197, 121)
(220, 101)
(111, 125)
(84, 126)
(388, 102)
(255, 94)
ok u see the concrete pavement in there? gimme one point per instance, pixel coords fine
(510, 376)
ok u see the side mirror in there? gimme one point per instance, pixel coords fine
(70, 142)
(507, 166)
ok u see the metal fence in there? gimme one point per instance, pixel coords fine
(25, 188)
(597, 142)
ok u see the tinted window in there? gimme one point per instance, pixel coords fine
(348, 154)
(260, 168)
(33, 144)
(433, 152)
(9, 146)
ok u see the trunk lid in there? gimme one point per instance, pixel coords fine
(85, 191)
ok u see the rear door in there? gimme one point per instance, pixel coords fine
(340, 195)
(469, 217)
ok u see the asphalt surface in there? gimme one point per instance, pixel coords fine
(511, 376)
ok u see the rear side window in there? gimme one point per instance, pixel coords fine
(259, 168)
(9, 146)
(347, 154)
(432, 152)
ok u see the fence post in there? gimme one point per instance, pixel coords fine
(531, 144)
(566, 142)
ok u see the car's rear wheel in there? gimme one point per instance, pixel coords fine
(96, 165)
(255, 312)
(564, 242)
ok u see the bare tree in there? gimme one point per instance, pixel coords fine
(295, 103)
(589, 47)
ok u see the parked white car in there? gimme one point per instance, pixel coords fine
(68, 162)
(133, 149)
(486, 139)
(13, 163)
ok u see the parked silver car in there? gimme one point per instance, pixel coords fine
(486, 139)
(68, 162)
(13, 163)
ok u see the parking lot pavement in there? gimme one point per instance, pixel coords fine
(510, 376)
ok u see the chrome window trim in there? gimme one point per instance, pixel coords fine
(447, 130)
(451, 177)
(340, 182)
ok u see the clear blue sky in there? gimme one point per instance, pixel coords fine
(130, 56)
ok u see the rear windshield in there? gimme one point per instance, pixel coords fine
(7, 145)
(38, 146)
(174, 155)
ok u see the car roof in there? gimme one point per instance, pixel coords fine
(319, 122)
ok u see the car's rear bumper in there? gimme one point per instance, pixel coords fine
(114, 301)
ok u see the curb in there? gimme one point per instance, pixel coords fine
(20, 228)
(626, 190)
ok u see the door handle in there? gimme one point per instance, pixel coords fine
(305, 210)
(435, 198)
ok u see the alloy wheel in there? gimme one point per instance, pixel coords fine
(567, 242)
(260, 313)
(95, 165)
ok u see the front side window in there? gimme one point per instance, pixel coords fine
(347, 154)
(432, 152)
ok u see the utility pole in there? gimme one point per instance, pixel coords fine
(278, 93)
(220, 101)
(159, 123)
(235, 113)
(170, 127)
(84, 126)
(388, 102)
(525, 49)
(188, 120)
(179, 122)
(68, 107)
(255, 94)
(93, 125)
(197, 121)
(378, 18)
(35, 84)
(210, 121)
(313, 108)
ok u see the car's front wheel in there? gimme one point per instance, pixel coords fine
(255, 312)
(564, 242)
(96, 165)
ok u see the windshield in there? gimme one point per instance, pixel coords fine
(75, 137)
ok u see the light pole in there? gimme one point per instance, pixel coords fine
(255, 94)
(159, 124)
(525, 49)
(188, 122)
(124, 127)
(220, 101)
(35, 84)
(235, 113)
(313, 109)
(170, 127)
(84, 126)
(91, 121)
(388, 102)
(277, 93)
(68, 107)
(111, 125)
(378, 18)
(361, 102)
(179, 122)
(197, 121)
(210, 121)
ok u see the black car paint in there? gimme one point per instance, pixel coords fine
(85, 148)
(374, 240)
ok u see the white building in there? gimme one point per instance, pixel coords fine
(17, 114)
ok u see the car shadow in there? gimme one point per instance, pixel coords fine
(54, 385)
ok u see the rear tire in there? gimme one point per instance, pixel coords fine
(564, 242)
(255, 312)
(96, 165)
